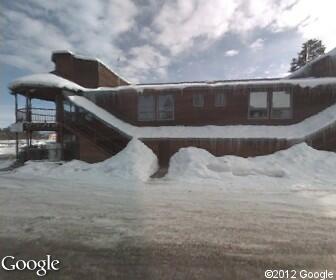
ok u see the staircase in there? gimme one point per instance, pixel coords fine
(101, 136)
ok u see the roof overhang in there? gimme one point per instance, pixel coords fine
(42, 93)
(43, 86)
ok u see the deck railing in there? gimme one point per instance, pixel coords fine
(36, 115)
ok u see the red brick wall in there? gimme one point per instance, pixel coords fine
(85, 72)
(108, 78)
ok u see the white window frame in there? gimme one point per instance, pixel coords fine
(284, 108)
(159, 98)
(220, 96)
(267, 105)
(140, 117)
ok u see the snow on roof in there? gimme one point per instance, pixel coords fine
(332, 52)
(91, 59)
(304, 82)
(298, 131)
(307, 67)
(45, 80)
(52, 80)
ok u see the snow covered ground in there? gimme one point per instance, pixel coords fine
(7, 147)
(135, 162)
(276, 210)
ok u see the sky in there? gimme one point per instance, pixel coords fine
(160, 40)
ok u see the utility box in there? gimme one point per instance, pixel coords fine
(54, 152)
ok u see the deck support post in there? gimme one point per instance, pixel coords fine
(28, 119)
(16, 133)
(59, 121)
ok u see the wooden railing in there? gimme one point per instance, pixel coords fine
(36, 115)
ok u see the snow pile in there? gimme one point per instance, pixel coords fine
(135, 162)
(297, 131)
(6, 163)
(45, 80)
(299, 164)
(194, 164)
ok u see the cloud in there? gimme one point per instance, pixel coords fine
(257, 45)
(231, 52)
(145, 60)
(313, 19)
(34, 28)
(148, 36)
(184, 24)
(180, 23)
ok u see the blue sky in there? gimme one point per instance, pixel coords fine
(160, 40)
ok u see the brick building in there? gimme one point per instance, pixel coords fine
(97, 111)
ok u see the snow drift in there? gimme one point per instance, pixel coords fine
(5, 163)
(300, 163)
(135, 162)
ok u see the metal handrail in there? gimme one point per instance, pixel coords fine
(36, 115)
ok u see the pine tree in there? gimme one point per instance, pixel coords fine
(294, 65)
(310, 50)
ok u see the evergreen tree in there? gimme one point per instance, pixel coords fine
(310, 50)
(294, 65)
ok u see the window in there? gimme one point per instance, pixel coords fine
(281, 105)
(146, 108)
(258, 105)
(220, 99)
(151, 108)
(165, 107)
(198, 100)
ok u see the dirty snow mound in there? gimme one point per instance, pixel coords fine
(300, 163)
(135, 162)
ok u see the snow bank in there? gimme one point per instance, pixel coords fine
(194, 164)
(297, 131)
(45, 80)
(135, 162)
(6, 163)
(300, 164)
